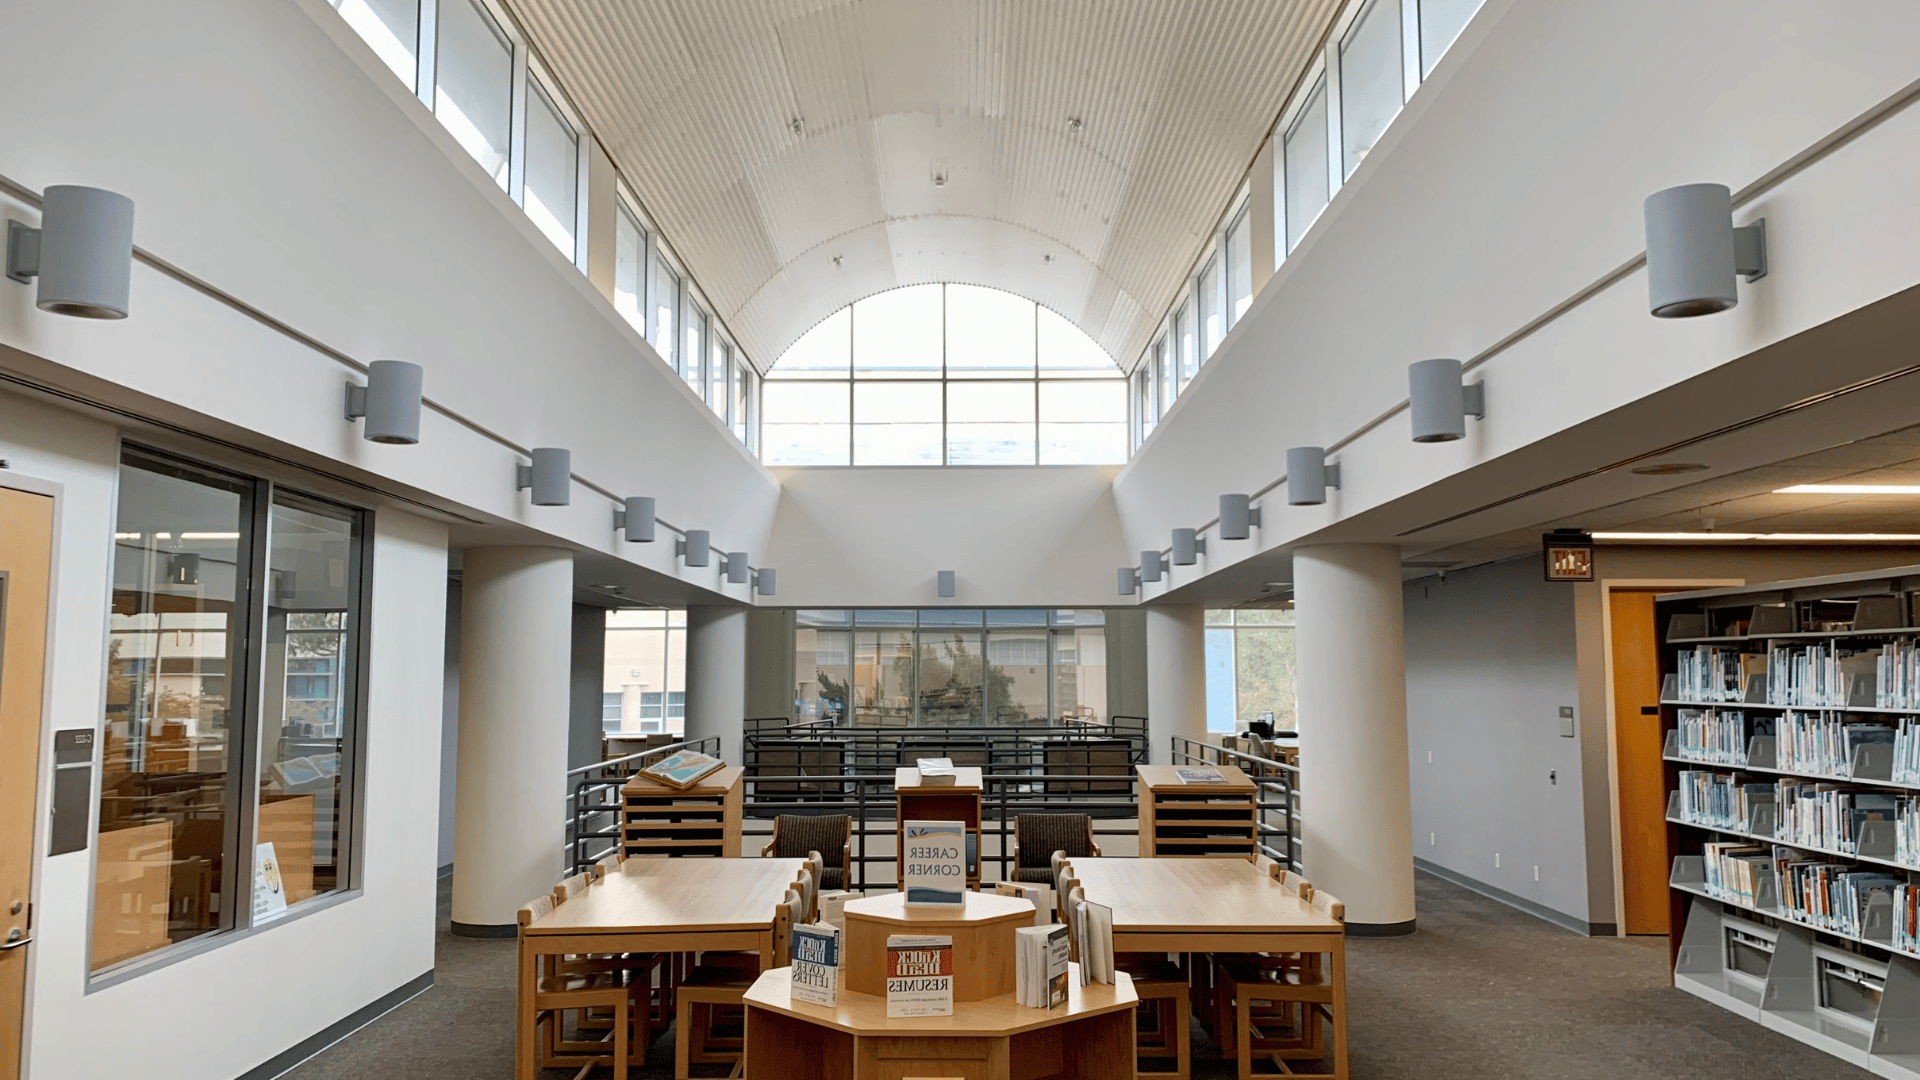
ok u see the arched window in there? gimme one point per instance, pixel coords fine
(944, 375)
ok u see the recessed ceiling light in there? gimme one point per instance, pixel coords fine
(1849, 489)
(798, 125)
(1074, 124)
(1857, 538)
(1668, 468)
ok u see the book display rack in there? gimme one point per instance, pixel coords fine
(1791, 726)
(1197, 814)
(700, 819)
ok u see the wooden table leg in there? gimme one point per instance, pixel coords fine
(523, 1036)
(1338, 972)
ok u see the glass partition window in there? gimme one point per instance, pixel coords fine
(1440, 24)
(231, 714)
(629, 269)
(473, 92)
(644, 690)
(391, 27)
(1372, 86)
(553, 170)
(1250, 665)
(944, 375)
(1306, 165)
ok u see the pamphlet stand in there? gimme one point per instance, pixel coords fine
(704, 819)
(958, 801)
(1183, 820)
(982, 932)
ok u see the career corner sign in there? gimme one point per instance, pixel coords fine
(934, 868)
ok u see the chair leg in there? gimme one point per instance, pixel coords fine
(1243, 1032)
(620, 1019)
(682, 1038)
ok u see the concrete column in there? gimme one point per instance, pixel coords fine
(1176, 677)
(516, 641)
(717, 675)
(1357, 816)
(587, 705)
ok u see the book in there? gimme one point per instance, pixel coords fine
(936, 771)
(816, 964)
(934, 871)
(833, 906)
(1200, 776)
(683, 769)
(1096, 942)
(919, 975)
(1039, 895)
(1040, 966)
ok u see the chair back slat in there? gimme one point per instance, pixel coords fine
(569, 888)
(1298, 884)
(1326, 904)
(536, 908)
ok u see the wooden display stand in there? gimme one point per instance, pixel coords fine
(1182, 820)
(1091, 1037)
(958, 801)
(982, 932)
(704, 819)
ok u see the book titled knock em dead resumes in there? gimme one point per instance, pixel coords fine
(919, 975)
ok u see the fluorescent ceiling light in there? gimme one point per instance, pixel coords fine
(209, 535)
(1790, 537)
(1849, 489)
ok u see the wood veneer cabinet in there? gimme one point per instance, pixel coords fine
(700, 820)
(1183, 820)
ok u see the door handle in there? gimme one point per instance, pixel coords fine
(15, 939)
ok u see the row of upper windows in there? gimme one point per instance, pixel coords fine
(465, 60)
(1371, 66)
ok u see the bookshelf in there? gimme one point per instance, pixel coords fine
(1790, 716)
(700, 820)
(1182, 820)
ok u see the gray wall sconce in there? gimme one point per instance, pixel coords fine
(1129, 580)
(764, 580)
(389, 403)
(1150, 566)
(636, 519)
(944, 583)
(1440, 403)
(1188, 545)
(1238, 516)
(737, 568)
(1694, 251)
(696, 547)
(550, 476)
(1309, 475)
(82, 253)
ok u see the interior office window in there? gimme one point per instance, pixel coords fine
(1213, 321)
(805, 423)
(990, 423)
(1065, 352)
(990, 334)
(1305, 150)
(1440, 24)
(692, 351)
(1239, 267)
(1078, 424)
(473, 86)
(629, 269)
(896, 423)
(899, 334)
(666, 303)
(312, 634)
(1372, 86)
(181, 747)
(391, 27)
(553, 170)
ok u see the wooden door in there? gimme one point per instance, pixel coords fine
(1636, 726)
(26, 551)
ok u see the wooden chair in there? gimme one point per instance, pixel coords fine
(1296, 992)
(1036, 837)
(710, 987)
(796, 836)
(1163, 1023)
(557, 993)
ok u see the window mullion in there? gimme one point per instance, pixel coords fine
(517, 120)
(243, 724)
(426, 52)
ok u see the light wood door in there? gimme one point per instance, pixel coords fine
(26, 550)
(1636, 727)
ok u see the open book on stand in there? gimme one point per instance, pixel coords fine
(682, 770)
(936, 771)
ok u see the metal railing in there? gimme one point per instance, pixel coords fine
(1276, 804)
(593, 800)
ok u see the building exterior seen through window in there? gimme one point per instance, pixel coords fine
(1250, 669)
(645, 686)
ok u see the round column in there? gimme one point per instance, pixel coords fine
(1176, 677)
(1356, 805)
(717, 676)
(516, 638)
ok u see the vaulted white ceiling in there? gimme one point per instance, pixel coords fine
(695, 101)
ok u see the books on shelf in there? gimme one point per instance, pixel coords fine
(1721, 736)
(1039, 895)
(1828, 815)
(1710, 673)
(1896, 675)
(934, 869)
(1040, 966)
(683, 769)
(1820, 674)
(816, 964)
(1733, 869)
(1200, 776)
(1829, 895)
(1722, 800)
(919, 975)
(1906, 751)
(935, 771)
(1094, 924)
(1826, 742)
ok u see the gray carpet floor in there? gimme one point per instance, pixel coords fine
(1481, 992)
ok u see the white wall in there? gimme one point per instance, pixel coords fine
(227, 1010)
(1038, 537)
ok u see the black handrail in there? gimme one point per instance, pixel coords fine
(1276, 801)
(593, 791)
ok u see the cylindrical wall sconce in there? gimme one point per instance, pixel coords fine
(765, 580)
(1149, 566)
(390, 402)
(1440, 404)
(1694, 252)
(636, 519)
(1129, 579)
(1309, 475)
(1238, 516)
(696, 547)
(82, 252)
(944, 583)
(550, 476)
(736, 568)
(1187, 546)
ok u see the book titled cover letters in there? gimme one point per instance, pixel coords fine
(934, 871)
(919, 975)
(816, 964)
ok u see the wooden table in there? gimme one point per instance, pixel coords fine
(656, 905)
(1215, 905)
